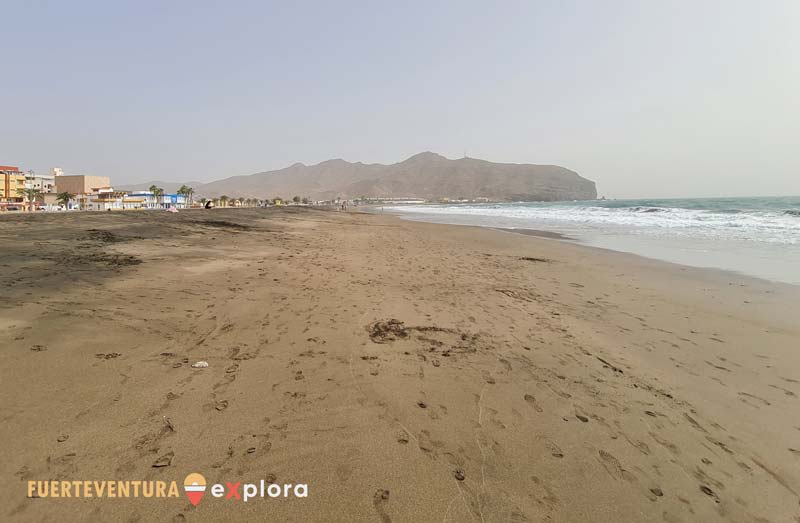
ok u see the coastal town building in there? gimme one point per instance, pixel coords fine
(80, 184)
(44, 183)
(12, 182)
(107, 199)
(102, 199)
(148, 200)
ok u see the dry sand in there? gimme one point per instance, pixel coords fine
(510, 378)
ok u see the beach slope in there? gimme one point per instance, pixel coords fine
(403, 371)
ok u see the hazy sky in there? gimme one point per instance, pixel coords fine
(649, 99)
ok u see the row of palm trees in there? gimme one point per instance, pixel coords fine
(227, 201)
(185, 191)
(31, 196)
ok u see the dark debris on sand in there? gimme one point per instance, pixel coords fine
(384, 331)
(224, 224)
(435, 339)
(534, 259)
(97, 258)
(103, 236)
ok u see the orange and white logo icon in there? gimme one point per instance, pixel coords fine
(195, 487)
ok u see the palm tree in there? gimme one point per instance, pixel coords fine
(296, 199)
(224, 200)
(30, 196)
(64, 197)
(158, 192)
(187, 193)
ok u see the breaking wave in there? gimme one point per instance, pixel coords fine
(724, 219)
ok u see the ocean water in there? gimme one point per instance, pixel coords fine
(758, 236)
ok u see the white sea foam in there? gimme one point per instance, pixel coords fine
(775, 227)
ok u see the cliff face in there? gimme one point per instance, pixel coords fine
(425, 175)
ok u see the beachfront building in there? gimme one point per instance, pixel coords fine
(131, 201)
(12, 181)
(89, 192)
(107, 199)
(179, 201)
(103, 199)
(141, 200)
(148, 200)
(44, 183)
(80, 184)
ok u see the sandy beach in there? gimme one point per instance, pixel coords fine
(404, 371)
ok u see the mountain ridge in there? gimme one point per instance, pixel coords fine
(426, 175)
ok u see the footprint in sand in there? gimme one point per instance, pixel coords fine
(743, 396)
(380, 499)
(785, 391)
(613, 466)
(533, 403)
(708, 492)
(554, 449)
(424, 442)
(164, 460)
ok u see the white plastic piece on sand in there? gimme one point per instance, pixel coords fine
(200, 365)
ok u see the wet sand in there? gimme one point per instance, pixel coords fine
(404, 371)
(539, 233)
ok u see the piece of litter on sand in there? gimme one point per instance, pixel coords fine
(200, 365)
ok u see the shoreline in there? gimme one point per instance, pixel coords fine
(399, 368)
(670, 250)
(537, 232)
